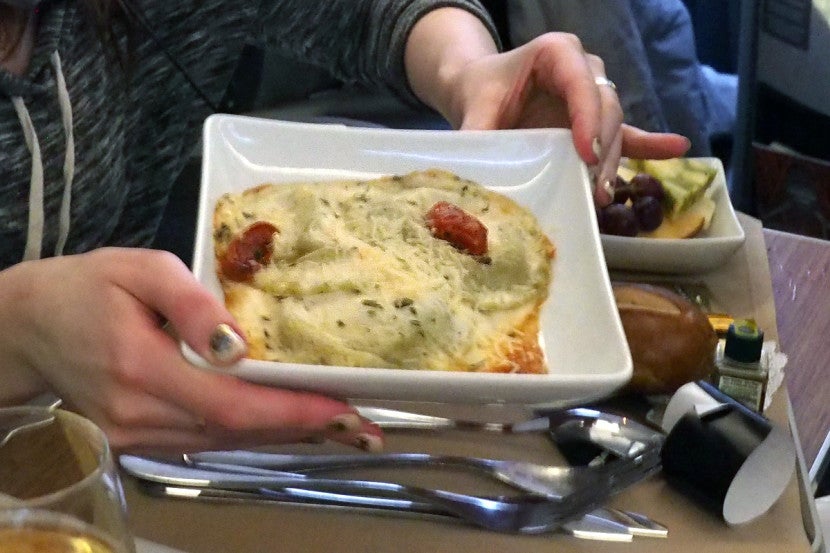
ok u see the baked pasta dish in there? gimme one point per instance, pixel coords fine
(419, 271)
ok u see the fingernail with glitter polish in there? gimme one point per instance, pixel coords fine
(226, 345)
(344, 423)
(369, 443)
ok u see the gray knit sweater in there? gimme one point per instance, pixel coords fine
(131, 140)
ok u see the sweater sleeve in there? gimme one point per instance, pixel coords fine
(360, 42)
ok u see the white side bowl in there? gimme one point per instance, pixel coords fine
(709, 250)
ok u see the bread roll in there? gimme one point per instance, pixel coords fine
(670, 338)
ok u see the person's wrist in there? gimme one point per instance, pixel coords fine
(19, 381)
(435, 64)
(450, 96)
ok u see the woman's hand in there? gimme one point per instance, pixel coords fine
(551, 81)
(89, 328)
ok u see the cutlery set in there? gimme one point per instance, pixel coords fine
(567, 499)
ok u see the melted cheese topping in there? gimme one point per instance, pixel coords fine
(357, 279)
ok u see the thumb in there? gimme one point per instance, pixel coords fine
(192, 312)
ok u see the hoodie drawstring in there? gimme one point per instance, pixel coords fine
(69, 157)
(34, 233)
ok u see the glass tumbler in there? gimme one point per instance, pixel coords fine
(59, 489)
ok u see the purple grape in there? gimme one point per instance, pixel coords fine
(618, 219)
(622, 191)
(643, 184)
(648, 211)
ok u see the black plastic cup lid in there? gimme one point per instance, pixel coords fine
(727, 457)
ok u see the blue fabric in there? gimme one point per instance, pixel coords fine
(667, 33)
(650, 53)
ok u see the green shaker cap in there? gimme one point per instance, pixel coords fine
(744, 341)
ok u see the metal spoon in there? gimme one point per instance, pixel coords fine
(621, 436)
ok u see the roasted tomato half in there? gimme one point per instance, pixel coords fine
(248, 252)
(451, 223)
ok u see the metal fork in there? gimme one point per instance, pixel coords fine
(553, 482)
(603, 523)
(529, 514)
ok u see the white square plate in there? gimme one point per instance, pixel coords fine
(709, 250)
(581, 334)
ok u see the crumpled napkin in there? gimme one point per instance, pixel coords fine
(775, 360)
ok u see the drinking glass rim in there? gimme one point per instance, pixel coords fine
(103, 457)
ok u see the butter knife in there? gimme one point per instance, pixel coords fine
(589, 527)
